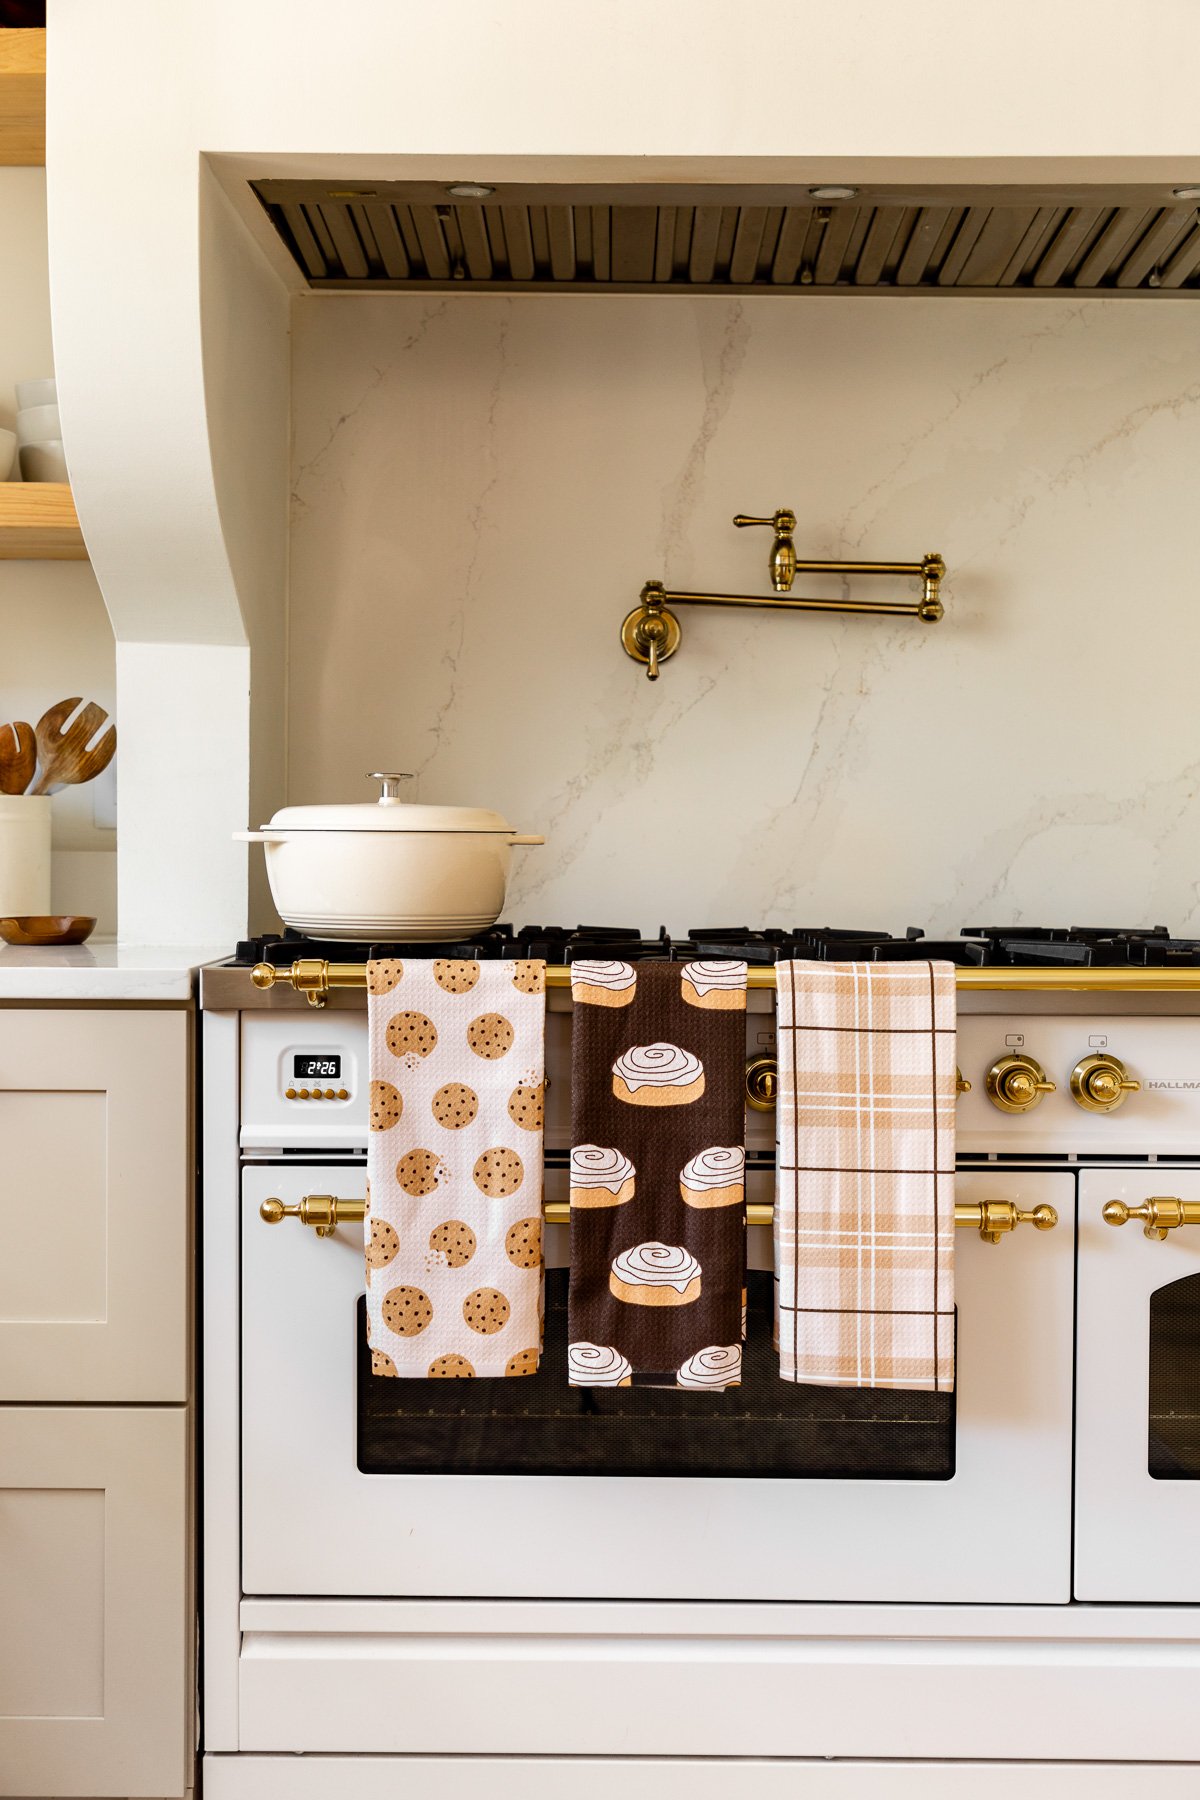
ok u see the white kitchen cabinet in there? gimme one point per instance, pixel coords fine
(94, 1204)
(95, 1592)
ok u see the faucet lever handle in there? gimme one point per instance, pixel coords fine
(783, 550)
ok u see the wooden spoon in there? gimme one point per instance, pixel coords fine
(18, 757)
(64, 755)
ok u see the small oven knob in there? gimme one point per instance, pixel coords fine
(1100, 1084)
(1016, 1083)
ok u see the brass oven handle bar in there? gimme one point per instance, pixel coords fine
(992, 1219)
(1160, 1214)
(316, 978)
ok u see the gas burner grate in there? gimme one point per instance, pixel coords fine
(979, 946)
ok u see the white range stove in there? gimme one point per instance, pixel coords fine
(374, 1550)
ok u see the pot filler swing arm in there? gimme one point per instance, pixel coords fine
(651, 633)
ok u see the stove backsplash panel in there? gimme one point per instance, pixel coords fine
(481, 485)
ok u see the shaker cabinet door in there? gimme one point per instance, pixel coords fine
(94, 1590)
(94, 1193)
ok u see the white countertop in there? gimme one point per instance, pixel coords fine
(102, 970)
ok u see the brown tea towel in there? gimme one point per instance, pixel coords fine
(657, 1174)
(454, 1214)
(864, 1204)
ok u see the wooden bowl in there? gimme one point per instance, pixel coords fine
(41, 930)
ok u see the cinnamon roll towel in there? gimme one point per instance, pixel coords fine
(454, 1218)
(657, 1174)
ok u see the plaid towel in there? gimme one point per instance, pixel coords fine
(454, 1191)
(864, 1208)
(657, 1174)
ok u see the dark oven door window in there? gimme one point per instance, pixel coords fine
(539, 1425)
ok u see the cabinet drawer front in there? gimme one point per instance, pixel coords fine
(94, 1197)
(94, 1590)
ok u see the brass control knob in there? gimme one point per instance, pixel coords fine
(1016, 1083)
(1100, 1084)
(762, 1083)
(1159, 1215)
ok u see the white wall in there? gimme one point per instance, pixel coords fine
(55, 636)
(139, 93)
(482, 484)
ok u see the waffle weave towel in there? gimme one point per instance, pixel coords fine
(454, 1215)
(864, 1207)
(657, 1174)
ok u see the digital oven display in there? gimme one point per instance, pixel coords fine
(312, 1068)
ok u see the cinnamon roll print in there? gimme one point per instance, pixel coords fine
(597, 1365)
(716, 1366)
(655, 1275)
(600, 1177)
(719, 986)
(715, 1177)
(597, 983)
(658, 1075)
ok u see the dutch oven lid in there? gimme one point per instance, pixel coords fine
(388, 813)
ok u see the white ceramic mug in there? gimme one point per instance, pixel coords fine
(24, 855)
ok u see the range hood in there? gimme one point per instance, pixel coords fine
(706, 239)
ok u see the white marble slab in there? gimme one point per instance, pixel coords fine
(103, 971)
(481, 485)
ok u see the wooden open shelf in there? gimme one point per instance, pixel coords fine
(38, 521)
(23, 97)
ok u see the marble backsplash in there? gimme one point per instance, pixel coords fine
(482, 484)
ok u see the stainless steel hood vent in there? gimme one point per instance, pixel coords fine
(737, 240)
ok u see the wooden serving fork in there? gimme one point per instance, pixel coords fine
(64, 754)
(18, 757)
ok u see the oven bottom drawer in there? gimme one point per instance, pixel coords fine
(716, 1693)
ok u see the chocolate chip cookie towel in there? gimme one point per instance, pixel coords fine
(864, 1203)
(657, 1174)
(454, 1212)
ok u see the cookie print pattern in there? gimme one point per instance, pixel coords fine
(486, 1310)
(498, 1172)
(454, 1242)
(455, 977)
(523, 1243)
(383, 976)
(455, 1105)
(527, 1106)
(411, 1035)
(383, 1246)
(419, 1171)
(407, 1311)
(455, 1160)
(490, 1036)
(386, 1106)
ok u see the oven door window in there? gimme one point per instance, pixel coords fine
(1174, 1437)
(538, 1425)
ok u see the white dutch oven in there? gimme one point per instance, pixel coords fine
(388, 870)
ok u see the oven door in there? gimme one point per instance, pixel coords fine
(1137, 1484)
(357, 1485)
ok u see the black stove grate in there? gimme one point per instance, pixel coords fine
(989, 946)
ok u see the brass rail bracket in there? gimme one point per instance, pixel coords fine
(651, 633)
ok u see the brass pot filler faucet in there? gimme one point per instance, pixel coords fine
(651, 633)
